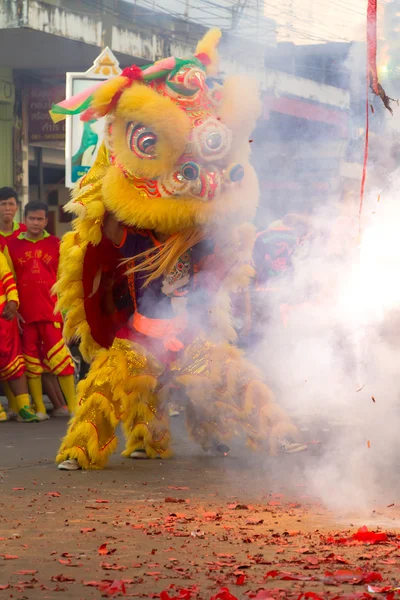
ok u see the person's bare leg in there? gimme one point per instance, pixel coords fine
(52, 390)
(58, 391)
(12, 406)
(19, 386)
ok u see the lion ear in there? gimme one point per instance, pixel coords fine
(104, 96)
(97, 101)
(207, 51)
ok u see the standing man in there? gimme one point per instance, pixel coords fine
(9, 204)
(35, 256)
(9, 228)
(12, 365)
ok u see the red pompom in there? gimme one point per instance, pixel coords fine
(204, 58)
(133, 73)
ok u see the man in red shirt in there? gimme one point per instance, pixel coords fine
(35, 256)
(9, 228)
(12, 365)
(9, 204)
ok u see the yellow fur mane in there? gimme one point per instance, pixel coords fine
(164, 257)
(117, 187)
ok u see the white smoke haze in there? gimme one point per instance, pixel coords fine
(335, 366)
(336, 362)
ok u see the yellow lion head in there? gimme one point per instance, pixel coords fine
(175, 160)
(176, 149)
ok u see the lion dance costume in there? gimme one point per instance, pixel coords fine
(153, 311)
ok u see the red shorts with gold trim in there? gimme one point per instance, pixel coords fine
(12, 364)
(44, 350)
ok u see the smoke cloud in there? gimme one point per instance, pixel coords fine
(330, 328)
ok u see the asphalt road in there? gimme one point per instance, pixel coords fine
(31, 448)
(195, 522)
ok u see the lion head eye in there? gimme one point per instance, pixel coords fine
(141, 141)
(213, 141)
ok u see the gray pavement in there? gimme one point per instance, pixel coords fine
(28, 450)
(138, 527)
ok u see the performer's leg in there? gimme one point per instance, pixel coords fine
(145, 424)
(3, 414)
(67, 385)
(52, 389)
(225, 395)
(10, 355)
(13, 374)
(90, 438)
(30, 347)
(12, 406)
(36, 392)
(145, 421)
(58, 360)
(19, 387)
(117, 378)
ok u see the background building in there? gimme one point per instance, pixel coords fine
(306, 126)
(313, 103)
(41, 41)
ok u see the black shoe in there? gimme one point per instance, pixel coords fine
(220, 449)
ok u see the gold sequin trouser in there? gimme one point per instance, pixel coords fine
(121, 386)
(223, 394)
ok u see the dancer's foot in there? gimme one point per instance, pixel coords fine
(60, 412)
(139, 454)
(42, 416)
(173, 412)
(27, 415)
(3, 415)
(71, 464)
(12, 415)
(289, 447)
(220, 449)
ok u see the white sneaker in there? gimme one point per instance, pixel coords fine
(71, 464)
(288, 447)
(42, 416)
(60, 412)
(139, 454)
(12, 415)
(173, 412)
